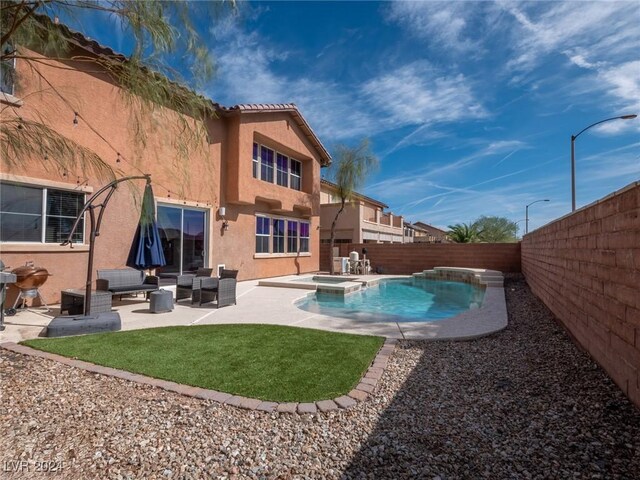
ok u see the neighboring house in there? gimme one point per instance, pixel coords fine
(425, 233)
(362, 221)
(409, 232)
(260, 163)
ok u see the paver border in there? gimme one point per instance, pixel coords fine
(363, 389)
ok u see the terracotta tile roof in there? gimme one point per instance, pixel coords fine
(80, 40)
(295, 113)
(425, 227)
(358, 195)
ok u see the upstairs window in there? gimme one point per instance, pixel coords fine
(282, 167)
(266, 164)
(275, 167)
(296, 174)
(39, 215)
(256, 161)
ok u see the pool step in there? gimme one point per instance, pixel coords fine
(489, 278)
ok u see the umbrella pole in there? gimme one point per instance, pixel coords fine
(92, 243)
(95, 228)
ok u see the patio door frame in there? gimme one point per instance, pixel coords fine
(207, 235)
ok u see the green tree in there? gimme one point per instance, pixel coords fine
(496, 229)
(464, 233)
(157, 29)
(348, 171)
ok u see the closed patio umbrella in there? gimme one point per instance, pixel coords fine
(146, 250)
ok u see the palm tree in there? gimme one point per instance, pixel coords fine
(349, 171)
(464, 233)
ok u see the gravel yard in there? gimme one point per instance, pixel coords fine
(523, 403)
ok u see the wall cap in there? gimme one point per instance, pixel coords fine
(615, 193)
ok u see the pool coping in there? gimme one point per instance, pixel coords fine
(489, 318)
(359, 393)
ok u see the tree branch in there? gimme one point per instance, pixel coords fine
(17, 23)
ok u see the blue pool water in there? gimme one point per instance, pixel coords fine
(403, 300)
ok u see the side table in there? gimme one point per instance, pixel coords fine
(72, 301)
(161, 301)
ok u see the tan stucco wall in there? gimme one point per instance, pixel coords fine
(348, 224)
(218, 173)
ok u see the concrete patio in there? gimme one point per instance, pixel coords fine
(276, 305)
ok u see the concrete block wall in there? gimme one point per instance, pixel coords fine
(408, 258)
(586, 268)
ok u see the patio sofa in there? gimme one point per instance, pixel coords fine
(126, 280)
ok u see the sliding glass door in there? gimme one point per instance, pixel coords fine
(184, 236)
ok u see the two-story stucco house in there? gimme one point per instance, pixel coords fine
(248, 197)
(362, 221)
(425, 233)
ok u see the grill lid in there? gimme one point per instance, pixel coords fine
(30, 277)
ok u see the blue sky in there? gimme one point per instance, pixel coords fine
(469, 105)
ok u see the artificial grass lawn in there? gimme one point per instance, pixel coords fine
(269, 362)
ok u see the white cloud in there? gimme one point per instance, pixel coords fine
(441, 23)
(579, 29)
(509, 201)
(415, 94)
(246, 75)
(418, 94)
(624, 83)
(580, 60)
(414, 183)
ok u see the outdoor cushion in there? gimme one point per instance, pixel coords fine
(125, 280)
(228, 273)
(133, 288)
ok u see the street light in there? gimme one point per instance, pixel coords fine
(573, 157)
(516, 224)
(526, 217)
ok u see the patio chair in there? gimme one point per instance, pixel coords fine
(188, 286)
(221, 290)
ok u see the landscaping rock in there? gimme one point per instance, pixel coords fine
(523, 403)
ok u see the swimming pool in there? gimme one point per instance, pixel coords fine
(399, 300)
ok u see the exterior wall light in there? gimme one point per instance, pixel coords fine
(222, 212)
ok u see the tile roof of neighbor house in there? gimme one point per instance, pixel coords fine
(425, 227)
(295, 113)
(359, 195)
(84, 42)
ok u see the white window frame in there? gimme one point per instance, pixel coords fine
(13, 85)
(263, 235)
(257, 162)
(43, 215)
(182, 207)
(273, 164)
(283, 236)
(285, 253)
(286, 171)
(300, 237)
(291, 174)
(298, 223)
